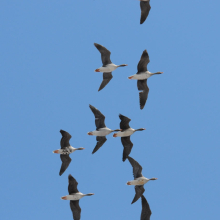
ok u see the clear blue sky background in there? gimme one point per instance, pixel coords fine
(48, 81)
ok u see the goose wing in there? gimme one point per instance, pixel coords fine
(100, 141)
(127, 144)
(142, 65)
(139, 190)
(145, 8)
(105, 54)
(72, 187)
(64, 142)
(137, 168)
(65, 158)
(146, 212)
(142, 85)
(106, 79)
(76, 210)
(124, 124)
(99, 117)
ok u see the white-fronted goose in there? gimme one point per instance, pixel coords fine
(101, 129)
(65, 150)
(145, 8)
(142, 75)
(146, 212)
(139, 179)
(125, 133)
(74, 197)
(107, 67)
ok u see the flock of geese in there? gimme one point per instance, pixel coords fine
(102, 131)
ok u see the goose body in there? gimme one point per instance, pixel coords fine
(101, 132)
(65, 150)
(101, 129)
(141, 76)
(74, 197)
(107, 66)
(139, 179)
(125, 133)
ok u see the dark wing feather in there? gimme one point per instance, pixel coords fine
(105, 54)
(100, 141)
(76, 210)
(145, 8)
(142, 85)
(146, 212)
(127, 144)
(99, 117)
(65, 162)
(137, 168)
(139, 192)
(124, 124)
(64, 142)
(142, 65)
(72, 187)
(106, 79)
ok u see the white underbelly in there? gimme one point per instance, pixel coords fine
(108, 68)
(138, 181)
(125, 133)
(75, 196)
(141, 76)
(102, 132)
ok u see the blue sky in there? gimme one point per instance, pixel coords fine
(48, 81)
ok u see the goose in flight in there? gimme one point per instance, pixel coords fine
(125, 133)
(142, 75)
(65, 150)
(146, 212)
(145, 8)
(107, 67)
(101, 129)
(139, 179)
(74, 197)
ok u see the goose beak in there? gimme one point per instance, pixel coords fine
(56, 151)
(64, 198)
(130, 77)
(97, 70)
(114, 135)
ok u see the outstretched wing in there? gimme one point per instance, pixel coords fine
(145, 8)
(139, 190)
(76, 210)
(124, 124)
(127, 144)
(146, 212)
(106, 79)
(142, 85)
(100, 141)
(99, 117)
(137, 168)
(64, 142)
(142, 65)
(105, 54)
(65, 162)
(72, 186)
